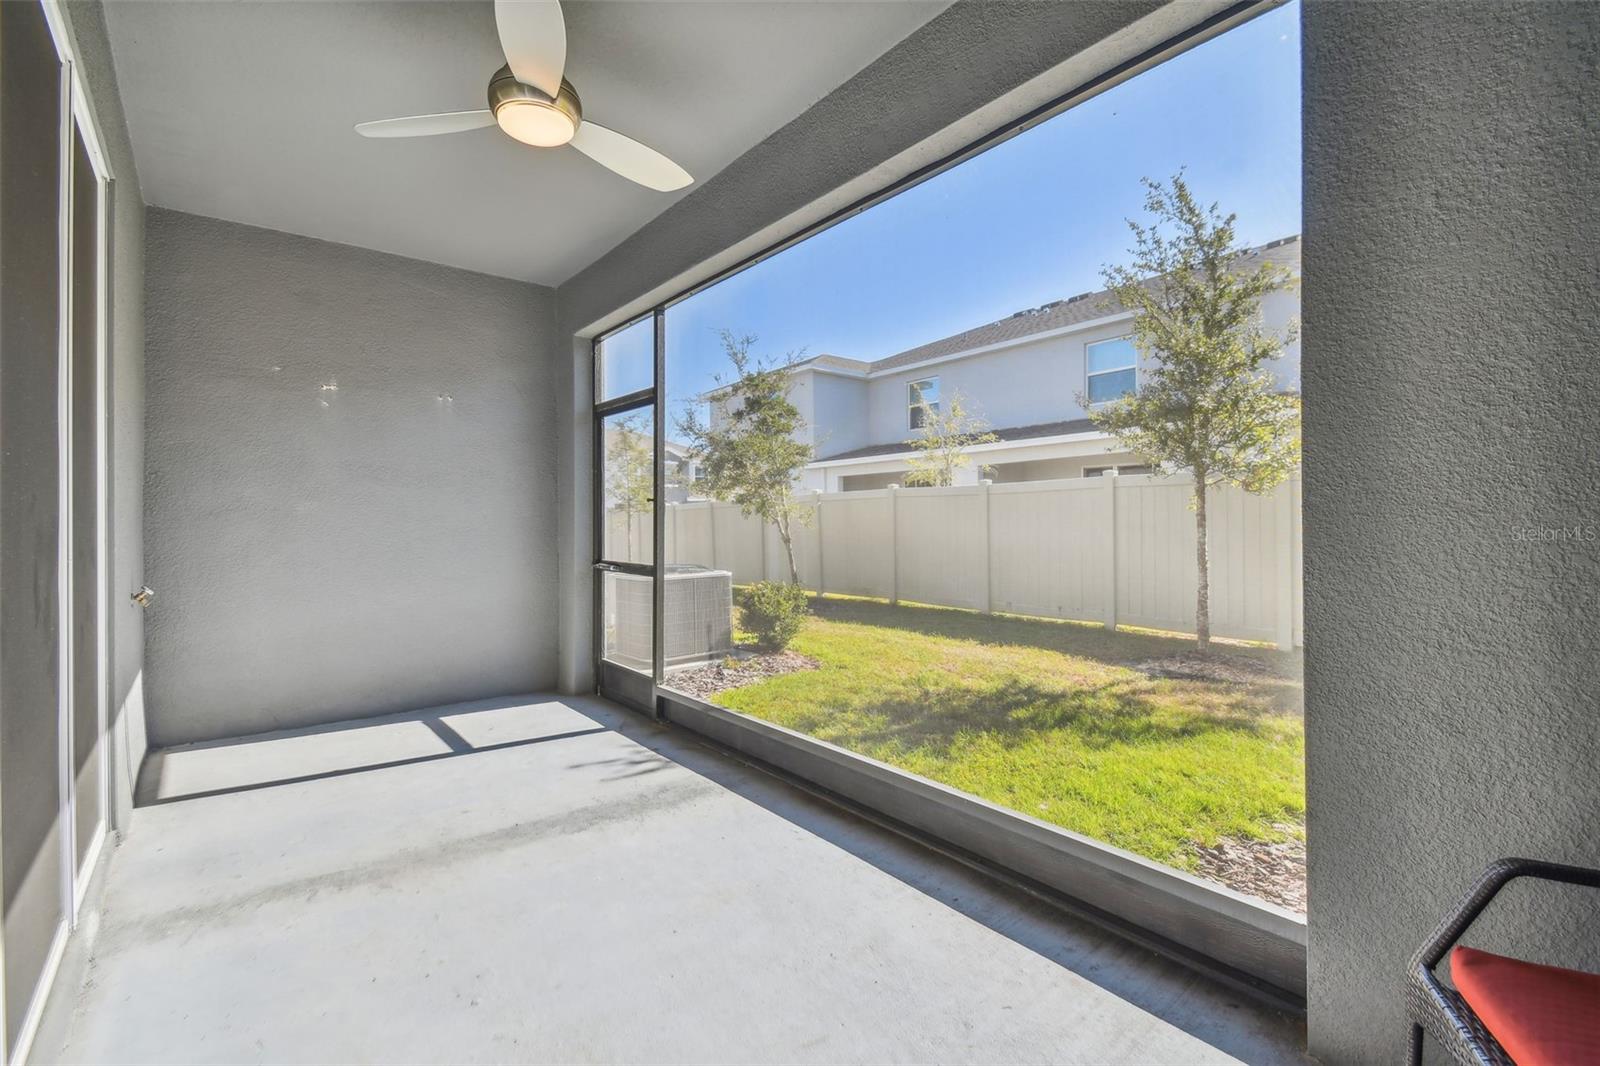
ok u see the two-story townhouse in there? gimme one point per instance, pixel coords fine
(1027, 376)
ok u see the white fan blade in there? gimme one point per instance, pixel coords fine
(533, 35)
(628, 157)
(427, 125)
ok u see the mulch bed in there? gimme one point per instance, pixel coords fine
(1215, 666)
(742, 668)
(1273, 871)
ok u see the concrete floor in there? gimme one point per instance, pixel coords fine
(558, 880)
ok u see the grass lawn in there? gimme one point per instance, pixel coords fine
(1050, 719)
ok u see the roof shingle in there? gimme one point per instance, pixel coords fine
(1085, 307)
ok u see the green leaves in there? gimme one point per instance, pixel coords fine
(1208, 401)
(747, 447)
(630, 473)
(774, 612)
(947, 432)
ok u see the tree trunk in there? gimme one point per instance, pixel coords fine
(1202, 568)
(788, 550)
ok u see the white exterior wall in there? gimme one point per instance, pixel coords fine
(1278, 310)
(1055, 468)
(1023, 383)
(801, 394)
(839, 412)
(1027, 382)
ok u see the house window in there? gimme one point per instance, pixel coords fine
(1116, 471)
(922, 398)
(1112, 372)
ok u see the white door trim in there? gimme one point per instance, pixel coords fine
(64, 590)
(102, 542)
(77, 118)
(41, 992)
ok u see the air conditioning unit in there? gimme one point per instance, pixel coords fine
(698, 616)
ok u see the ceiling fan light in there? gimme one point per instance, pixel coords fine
(529, 116)
(536, 123)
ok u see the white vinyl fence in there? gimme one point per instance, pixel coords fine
(1117, 550)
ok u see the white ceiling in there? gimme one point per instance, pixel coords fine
(244, 111)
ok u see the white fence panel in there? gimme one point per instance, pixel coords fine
(1297, 569)
(1117, 550)
(807, 550)
(1050, 548)
(628, 536)
(1155, 552)
(689, 534)
(739, 544)
(615, 540)
(1250, 560)
(941, 546)
(858, 549)
(718, 536)
(669, 548)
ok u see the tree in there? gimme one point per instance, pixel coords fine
(1208, 402)
(630, 472)
(947, 432)
(747, 448)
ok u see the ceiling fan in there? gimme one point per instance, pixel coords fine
(531, 102)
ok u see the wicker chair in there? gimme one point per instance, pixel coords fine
(1438, 1009)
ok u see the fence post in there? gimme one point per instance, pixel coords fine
(711, 516)
(761, 530)
(1297, 540)
(894, 535)
(1285, 544)
(822, 587)
(1110, 491)
(988, 549)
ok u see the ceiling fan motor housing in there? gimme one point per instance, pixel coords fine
(529, 115)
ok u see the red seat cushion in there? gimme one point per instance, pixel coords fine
(1542, 1015)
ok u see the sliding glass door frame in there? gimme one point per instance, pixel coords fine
(78, 121)
(653, 399)
(99, 604)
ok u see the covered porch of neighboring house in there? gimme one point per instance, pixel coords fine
(1025, 453)
(1000, 472)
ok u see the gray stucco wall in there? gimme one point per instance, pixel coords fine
(31, 609)
(350, 504)
(1452, 201)
(1022, 384)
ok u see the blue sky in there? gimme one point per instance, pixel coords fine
(1029, 221)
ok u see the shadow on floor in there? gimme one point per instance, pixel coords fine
(1221, 1017)
(153, 774)
(1228, 1020)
